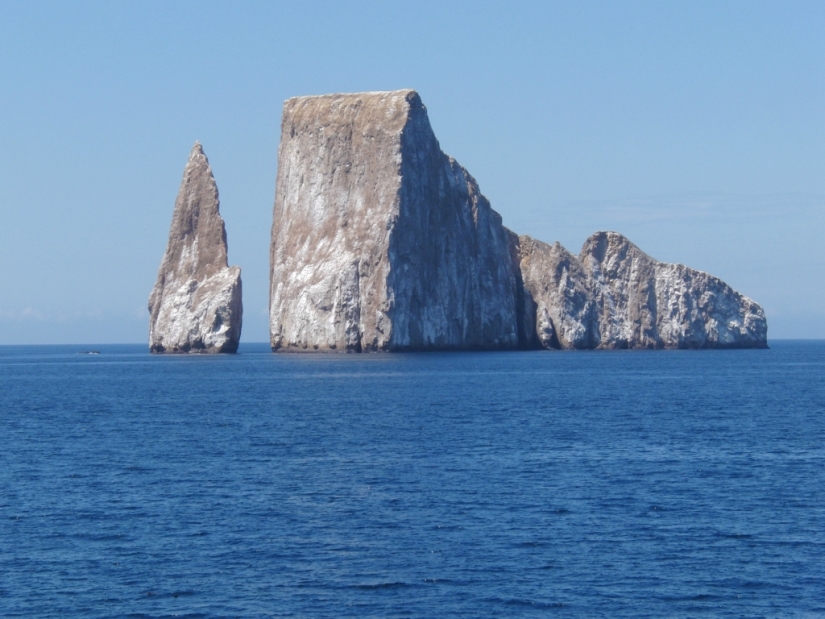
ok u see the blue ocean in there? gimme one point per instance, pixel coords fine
(520, 484)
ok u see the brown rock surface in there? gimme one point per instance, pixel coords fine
(613, 295)
(196, 304)
(562, 294)
(379, 240)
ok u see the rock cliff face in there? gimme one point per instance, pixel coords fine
(616, 296)
(195, 305)
(380, 241)
(561, 292)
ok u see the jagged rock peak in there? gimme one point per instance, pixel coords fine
(380, 241)
(196, 304)
(613, 295)
(560, 293)
(644, 303)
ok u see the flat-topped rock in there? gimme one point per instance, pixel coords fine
(380, 241)
(196, 304)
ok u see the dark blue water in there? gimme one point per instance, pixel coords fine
(615, 484)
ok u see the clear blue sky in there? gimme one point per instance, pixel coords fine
(695, 128)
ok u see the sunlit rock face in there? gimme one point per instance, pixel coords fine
(562, 296)
(613, 295)
(195, 306)
(380, 241)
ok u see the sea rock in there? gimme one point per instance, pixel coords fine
(196, 306)
(561, 293)
(380, 241)
(613, 295)
(644, 303)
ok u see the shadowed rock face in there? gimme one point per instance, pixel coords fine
(616, 296)
(195, 305)
(379, 240)
(561, 291)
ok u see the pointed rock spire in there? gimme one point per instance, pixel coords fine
(195, 305)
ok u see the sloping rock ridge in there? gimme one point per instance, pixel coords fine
(195, 306)
(613, 295)
(381, 242)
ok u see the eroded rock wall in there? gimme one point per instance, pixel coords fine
(644, 303)
(613, 295)
(562, 295)
(452, 283)
(379, 240)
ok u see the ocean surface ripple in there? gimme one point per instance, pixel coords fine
(588, 484)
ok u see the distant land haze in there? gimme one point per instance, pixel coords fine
(381, 242)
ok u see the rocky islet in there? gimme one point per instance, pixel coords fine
(381, 242)
(613, 295)
(196, 306)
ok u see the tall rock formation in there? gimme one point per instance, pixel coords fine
(613, 295)
(379, 240)
(195, 305)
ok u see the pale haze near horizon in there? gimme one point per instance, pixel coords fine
(694, 128)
